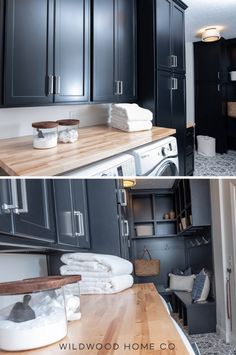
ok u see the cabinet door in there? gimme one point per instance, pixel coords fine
(35, 218)
(178, 38)
(126, 36)
(5, 202)
(104, 217)
(179, 118)
(66, 232)
(163, 33)
(207, 61)
(200, 199)
(1, 48)
(164, 99)
(29, 56)
(79, 193)
(105, 76)
(72, 43)
(71, 212)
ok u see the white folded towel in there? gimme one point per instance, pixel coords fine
(132, 112)
(134, 126)
(116, 117)
(107, 286)
(110, 265)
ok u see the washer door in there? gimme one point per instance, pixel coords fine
(168, 168)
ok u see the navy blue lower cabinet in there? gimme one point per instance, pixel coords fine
(27, 209)
(72, 213)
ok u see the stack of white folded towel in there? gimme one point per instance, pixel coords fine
(101, 274)
(131, 118)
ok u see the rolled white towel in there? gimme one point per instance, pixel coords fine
(132, 112)
(107, 286)
(135, 126)
(113, 265)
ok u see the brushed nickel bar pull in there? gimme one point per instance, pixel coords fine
(57, 85)
(50, 85)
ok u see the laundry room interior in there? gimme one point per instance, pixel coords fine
(157, 69)
(186, 227)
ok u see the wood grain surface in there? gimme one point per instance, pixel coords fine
(19, 158)
(131, 322)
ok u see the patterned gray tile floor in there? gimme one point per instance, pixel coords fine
(208, 344)
(220, 165)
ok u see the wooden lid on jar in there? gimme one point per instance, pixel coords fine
(30, 286)
(68, 122)
(70, 279)
(45, 125)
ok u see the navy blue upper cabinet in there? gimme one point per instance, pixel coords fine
(170, 34)
(178, 36)
(163, 30)
(108, 223)
(114, 50)
(71, 213)
(29, 52)
(47, 51)
(27, 209)
(72, 50)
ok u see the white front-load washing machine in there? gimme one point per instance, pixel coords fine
(157, 159)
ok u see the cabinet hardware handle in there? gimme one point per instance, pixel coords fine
(172, 83)
(176, 61)
(57, 85)
(176, 84)
(122, 197)
(14, 194)
(126, 224)
(79, 232)
(171, 60)
(117, 88)
(121, 87)
(218, 87)
(23, 187)
(80, 221)
(50, 85)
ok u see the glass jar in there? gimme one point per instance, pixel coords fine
(32, 314)
(45, 134)
(68, 131)
(71, 293)
(72, 297)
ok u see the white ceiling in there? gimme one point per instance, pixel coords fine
(208, 13)
(150, 183)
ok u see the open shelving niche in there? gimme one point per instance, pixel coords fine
(148, 210)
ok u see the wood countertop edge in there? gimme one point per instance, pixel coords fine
(14, 164)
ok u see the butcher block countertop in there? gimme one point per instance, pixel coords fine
(134, 321)
(19, 158)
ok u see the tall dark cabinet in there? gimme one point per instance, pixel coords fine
(114, 50)
(47, 51)
(211, 92)
(161, 65)
(108, 219)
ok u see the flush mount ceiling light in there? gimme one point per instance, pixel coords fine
(128, 183)
(211, 34)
